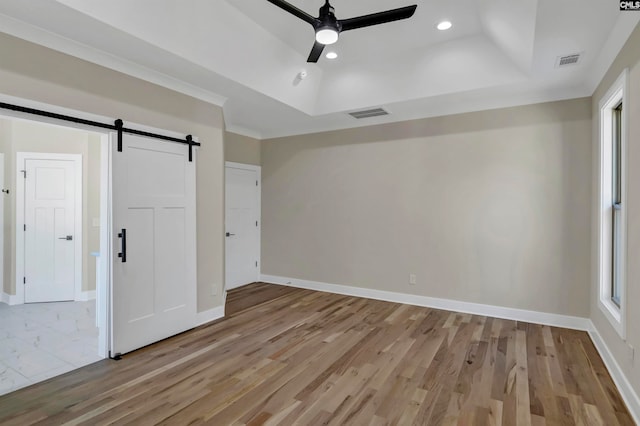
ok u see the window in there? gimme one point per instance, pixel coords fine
(612, 207)
(616, 190)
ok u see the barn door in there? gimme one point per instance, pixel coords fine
(154, 242)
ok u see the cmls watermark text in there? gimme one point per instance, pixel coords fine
(629, 5)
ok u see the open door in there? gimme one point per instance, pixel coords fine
(154, 242)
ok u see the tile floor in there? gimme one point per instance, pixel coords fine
(42, 340)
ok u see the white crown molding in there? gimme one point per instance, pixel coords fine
(556, 320)
(56, 42)
(232, 128)
(626, 23)
(627, 392)
(445, 105)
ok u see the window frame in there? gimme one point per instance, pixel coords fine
(609, 267)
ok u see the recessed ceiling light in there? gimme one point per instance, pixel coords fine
(444, 25)
(331, 55)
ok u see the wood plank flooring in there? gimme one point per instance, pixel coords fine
(250, 296)
(290, 356)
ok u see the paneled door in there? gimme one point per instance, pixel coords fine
(154, 242)
(242, 213)
(49, 230)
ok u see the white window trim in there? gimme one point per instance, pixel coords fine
(616, 93)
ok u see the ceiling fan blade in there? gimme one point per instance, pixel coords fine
(294, 11)
(378, 18)
(316, 51)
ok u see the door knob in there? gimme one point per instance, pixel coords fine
(229, 234)
(68, 238)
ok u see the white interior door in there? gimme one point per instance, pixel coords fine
(154, 242)
(49, 231)
(242, 216)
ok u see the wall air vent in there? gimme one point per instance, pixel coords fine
(367, 113)
(564, 61)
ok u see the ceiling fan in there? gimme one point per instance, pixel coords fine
(328, 27)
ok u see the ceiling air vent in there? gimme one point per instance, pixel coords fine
(568, 60)
(368, 113)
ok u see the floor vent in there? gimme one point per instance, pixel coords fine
(564, 61)
(368, 113)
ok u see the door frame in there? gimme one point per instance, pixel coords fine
(2, 236)
(21, 158)
(258, 170)
(104, 285)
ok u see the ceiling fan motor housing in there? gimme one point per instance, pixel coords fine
(327, 19)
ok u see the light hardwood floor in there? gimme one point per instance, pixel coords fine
(290, 356)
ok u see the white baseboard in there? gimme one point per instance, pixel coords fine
(9, 299)
(556, 320)
(12, 299)
(210, 315)
(627, 392)
(85, 296)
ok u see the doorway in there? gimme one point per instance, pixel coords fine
(49, 321)
(142, 174)
(242, 224)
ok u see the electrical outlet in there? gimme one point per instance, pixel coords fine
(630, 353)
(412, 279)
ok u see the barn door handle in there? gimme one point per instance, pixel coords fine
(123, 254)
(229, 234)
(68, 238)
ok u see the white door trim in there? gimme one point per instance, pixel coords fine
(258, 170)
(21, 157)
(2, 236)
(103, 283)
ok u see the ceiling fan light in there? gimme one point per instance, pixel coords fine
(326, 36)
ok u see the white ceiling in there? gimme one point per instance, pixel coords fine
(245, 55)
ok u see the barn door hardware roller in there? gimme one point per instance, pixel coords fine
(188, 140)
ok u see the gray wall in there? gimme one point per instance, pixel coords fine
(242, 149)
(629, 57)
(34, 72)
(490, 207)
